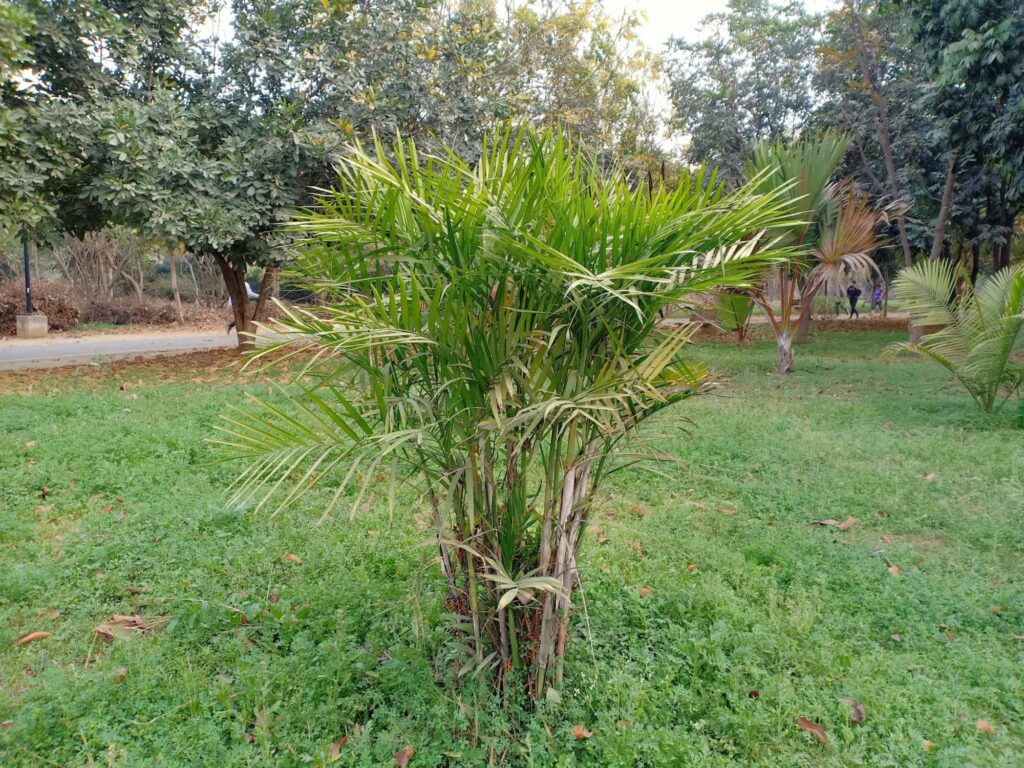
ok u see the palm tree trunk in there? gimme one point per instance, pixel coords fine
(785, 364)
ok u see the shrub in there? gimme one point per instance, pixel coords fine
(977, 337)
(129, 312)
(491, 336)
(54, 298)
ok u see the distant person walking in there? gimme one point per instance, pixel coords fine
(853, 294)
(876, 298)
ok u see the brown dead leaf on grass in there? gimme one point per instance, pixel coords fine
(291, 558)
(984, 726)
(120, 674)
(842, 526)
(638, 509)
(637, 547)
(120, 625)
(31, 637)
(334, 754)
(646, 591)
(403, 756)
(580, 733)
(857, 713)
(812, 728)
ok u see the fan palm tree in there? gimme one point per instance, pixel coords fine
(979, 335)
(848, 234)
(492, 335)
(803, 169)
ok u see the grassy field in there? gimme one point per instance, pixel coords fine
(110, 503)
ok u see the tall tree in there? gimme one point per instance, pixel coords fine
(747, 79)
(976, 49)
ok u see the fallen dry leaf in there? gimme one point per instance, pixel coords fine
(753, 693)
(31, 637)
(927, 745)
(7, 725)
(580, 733)
(857, 713)
(984, 726)
(885, 538)
(335, 752)
(53, 613)
(123, 626)
(624, 723)
(812, 728)
(107, 508)
(603, 539)
(848, 523)
(894, 569)
(403, 756)
(120, 675)
(638, 509)
(637, 547)
(729, 512)
(930, 477)
(895, 638)
(292, 558)
(691, 567)
(879, 513)
(594, 530)
(646, 591)
(30, 443)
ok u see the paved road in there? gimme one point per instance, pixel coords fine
(56, 351)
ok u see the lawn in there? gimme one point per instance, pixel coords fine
(273, 637)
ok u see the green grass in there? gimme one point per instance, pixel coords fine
(265, 662)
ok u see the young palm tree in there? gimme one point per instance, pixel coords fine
(803, 169)
(493, 335)
(849, 228)
(979, 335)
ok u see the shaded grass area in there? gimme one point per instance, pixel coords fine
(110, 503)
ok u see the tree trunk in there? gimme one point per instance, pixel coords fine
(261, 302)
(234, 281)
(882, 127)
(947, 201)
(136, 288)
(803, 329)
(785, 364)
(1001, 255)
(174, 286)
(975, 263)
